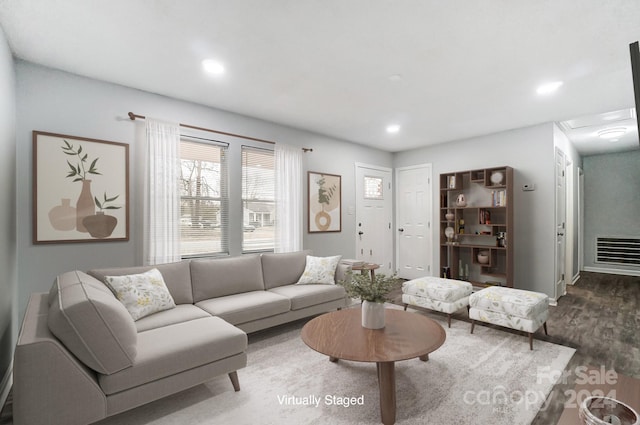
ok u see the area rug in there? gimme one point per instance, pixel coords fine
(490, 377)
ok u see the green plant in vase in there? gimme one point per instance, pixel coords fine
(373, 293)
(79, 172)
(102, 225)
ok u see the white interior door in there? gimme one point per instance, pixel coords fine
(561, 207)
(374, 242)
(414, 253)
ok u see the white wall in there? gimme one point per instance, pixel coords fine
(58, 102)
(530, 152)
(8, 274)
(611, 203)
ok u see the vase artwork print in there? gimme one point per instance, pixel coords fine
(324, 202)
(80, 189)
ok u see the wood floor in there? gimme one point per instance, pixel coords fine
(599, 317)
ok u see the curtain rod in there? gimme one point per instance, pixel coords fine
(133, 117)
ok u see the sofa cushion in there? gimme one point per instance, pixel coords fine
(141, 294)
(283, 268)
(177, 277)
(303, 296)
(226, 276)
(246, 307)
(173, 349)
(181, 313)
(92, 323)
(320, 270)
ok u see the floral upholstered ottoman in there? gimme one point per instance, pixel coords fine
(512, 308)
(436, 293)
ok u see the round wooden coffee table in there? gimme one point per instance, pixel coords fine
(340, 335)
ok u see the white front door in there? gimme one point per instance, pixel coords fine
(561, 206)
(414, 253)
(373, 216)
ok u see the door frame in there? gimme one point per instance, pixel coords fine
(389, 170)
(560, 286)
(429, 237)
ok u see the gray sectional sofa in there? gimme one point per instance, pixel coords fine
(81, 357)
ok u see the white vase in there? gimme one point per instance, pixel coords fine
(372, 315)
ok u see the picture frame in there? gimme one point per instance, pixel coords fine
(324, 202)
(80, 189)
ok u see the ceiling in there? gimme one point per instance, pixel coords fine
(442, 70)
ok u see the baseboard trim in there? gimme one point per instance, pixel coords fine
(612, 271)
(575, 279)
(5, 387)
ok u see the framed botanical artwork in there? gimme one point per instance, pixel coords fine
(80, 189)
(324, 202)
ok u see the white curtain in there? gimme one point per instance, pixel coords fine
(288, 229)
(161, 193)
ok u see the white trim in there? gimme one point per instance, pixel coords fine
(5, 387)
(575, 278)
(373, 167)
(612, 271)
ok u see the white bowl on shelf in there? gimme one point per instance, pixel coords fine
(483, 257)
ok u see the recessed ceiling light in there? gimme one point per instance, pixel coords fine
(549, 88)
(612, 134)
(395, 78)
(393, 128)
(213, 67)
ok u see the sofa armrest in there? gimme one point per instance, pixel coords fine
(50, 385)
(341, 272)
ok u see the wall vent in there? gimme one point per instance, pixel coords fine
(621, 250)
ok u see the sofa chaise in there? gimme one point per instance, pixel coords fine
(81, 357)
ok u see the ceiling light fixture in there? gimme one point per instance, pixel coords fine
(393, 128)
(612, 134)
(212, 67)
(549, 88)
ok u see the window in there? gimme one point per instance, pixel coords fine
(203, 199)
(258, 199)
(373, 187)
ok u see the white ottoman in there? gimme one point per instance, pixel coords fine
(436, 293)
(512, 308)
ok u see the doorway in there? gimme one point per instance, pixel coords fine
(374, 197)
(414, 234)
(561, 230)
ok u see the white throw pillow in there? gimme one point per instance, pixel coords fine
(142, 294)
(320, 270)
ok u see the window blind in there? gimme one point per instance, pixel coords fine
(258, 199)
(204, 199)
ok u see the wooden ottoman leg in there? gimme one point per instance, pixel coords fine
(405, 307)
(449, 319)
(472, 325)
(544, 325)
(530, 341)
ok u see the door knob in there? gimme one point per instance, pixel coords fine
(401, 230)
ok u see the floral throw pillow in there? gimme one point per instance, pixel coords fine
(320, 270)
(142, 294)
